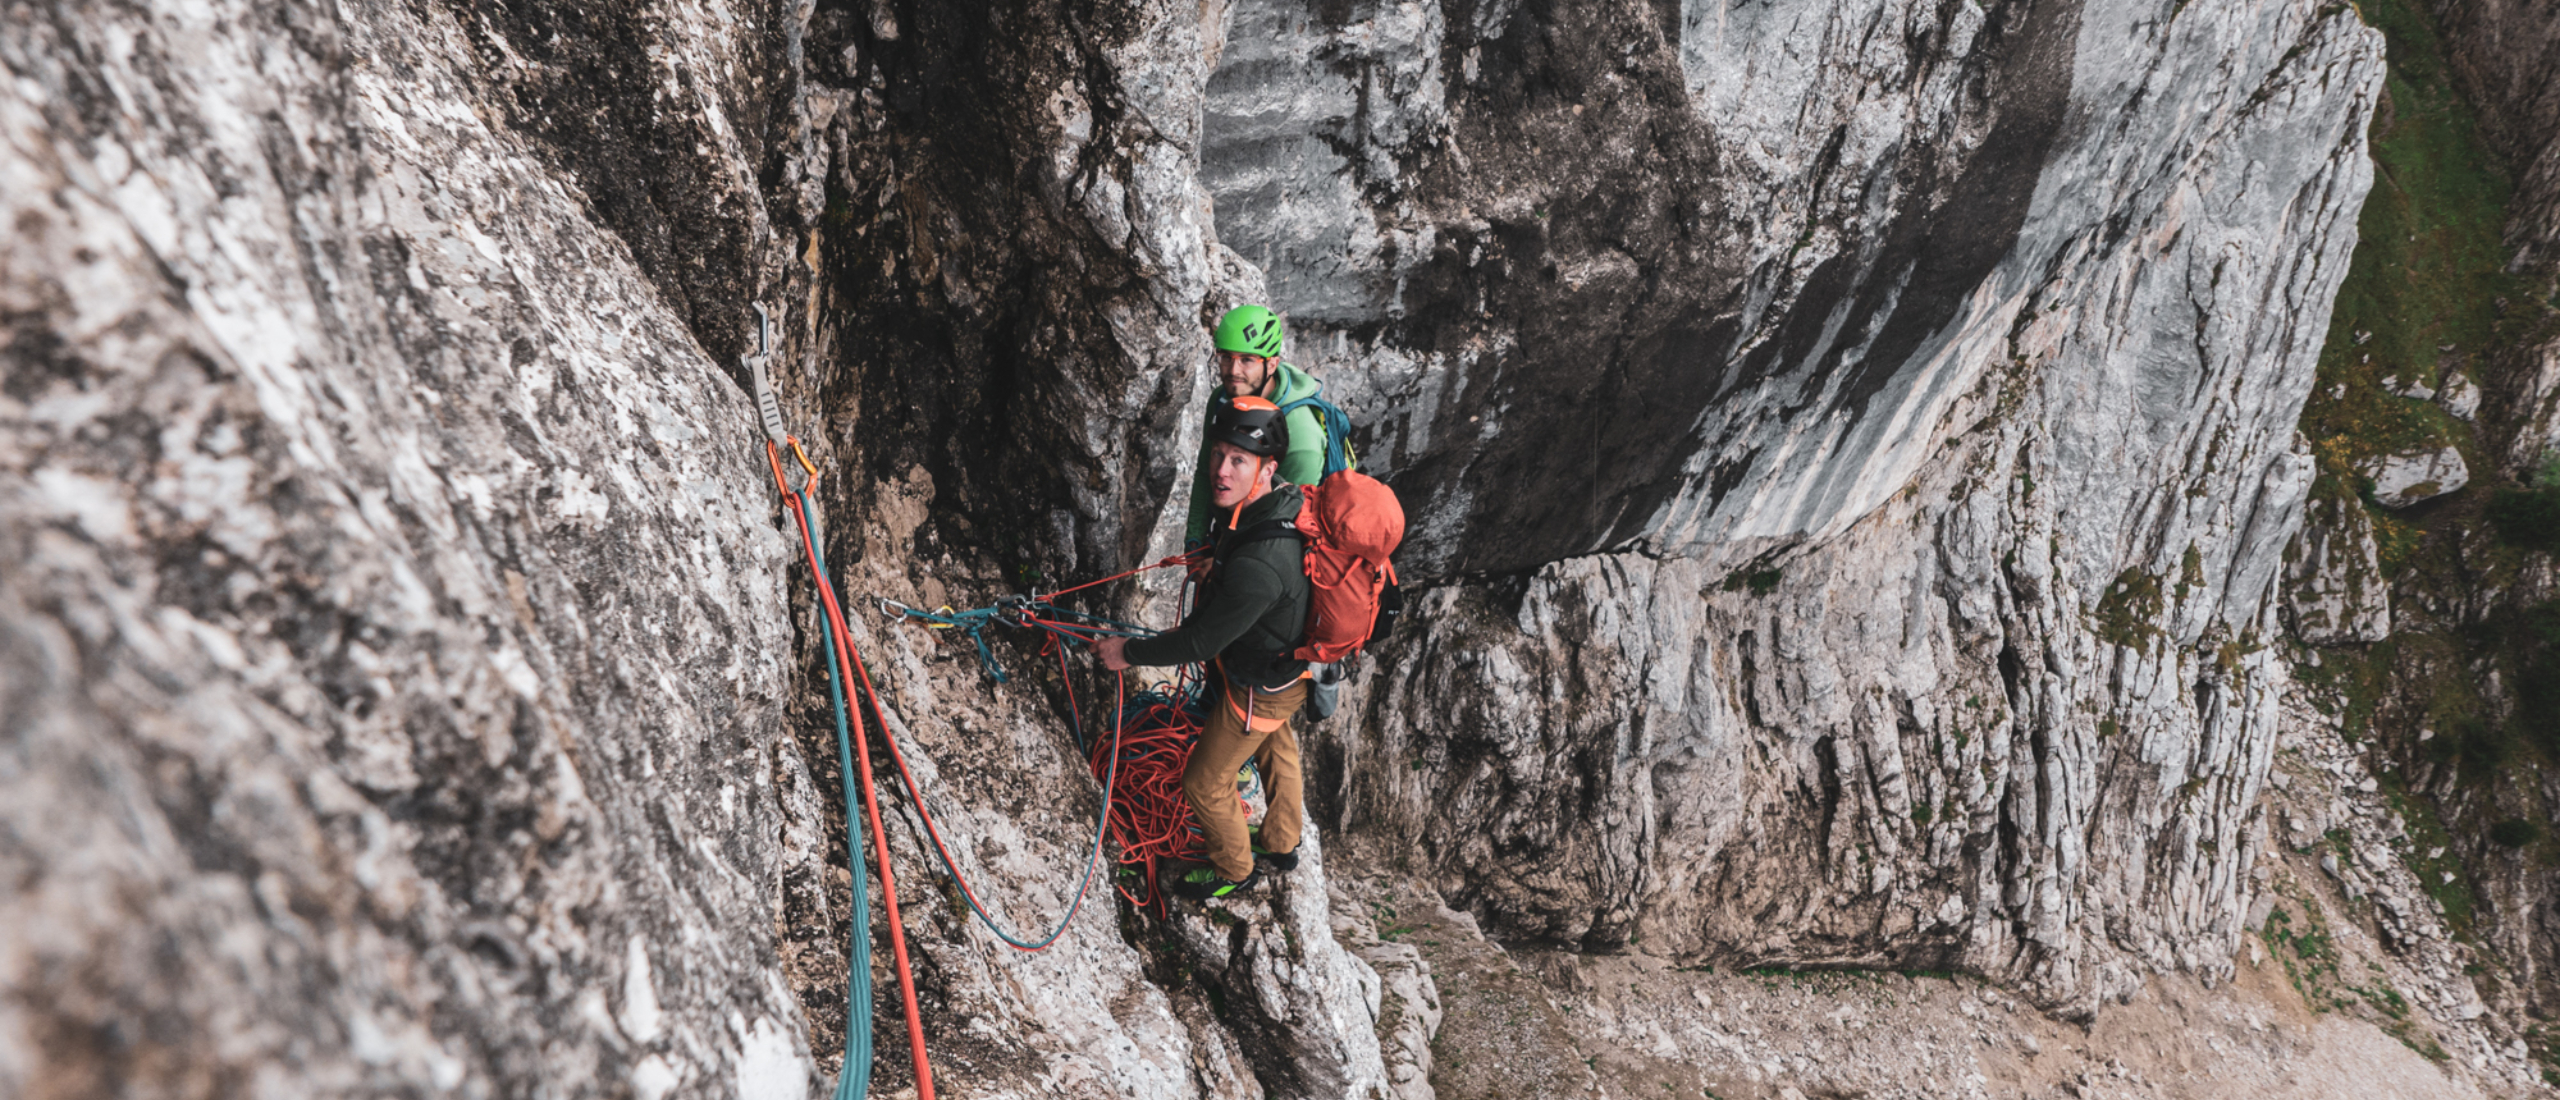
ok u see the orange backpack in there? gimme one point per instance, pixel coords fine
(1351, 523)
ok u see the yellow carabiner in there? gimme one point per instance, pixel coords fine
(803, 456)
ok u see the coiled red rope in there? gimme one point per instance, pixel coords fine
(1151, 819)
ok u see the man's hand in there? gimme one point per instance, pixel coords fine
(1113, 652)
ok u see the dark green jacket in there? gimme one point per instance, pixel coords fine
(1253, 607)
(1302, 463)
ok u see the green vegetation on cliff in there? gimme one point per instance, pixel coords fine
(2461, 705)
(2422, 294)
(2428, 296)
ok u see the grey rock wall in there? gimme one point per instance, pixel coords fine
(394, 656)
(1850, 449)
(2334, 590)
(1911, 509)
(410, 684)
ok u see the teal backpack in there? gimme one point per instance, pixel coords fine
(1338, 453)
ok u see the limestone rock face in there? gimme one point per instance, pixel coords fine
(2334, 589)
(2461, 398)
(1890, 582)
(1849, 445)
(2402, 480)
(409, 681)
(393, 654)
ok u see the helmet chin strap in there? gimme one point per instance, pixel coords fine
(1252, 492)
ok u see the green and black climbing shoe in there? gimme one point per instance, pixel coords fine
(1202, 882)
(1277, 861)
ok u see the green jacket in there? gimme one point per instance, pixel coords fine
(1252, 609)
(1301, 464)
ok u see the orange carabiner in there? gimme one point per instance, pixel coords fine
(773, 458)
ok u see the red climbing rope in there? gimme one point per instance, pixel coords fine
(870, 803)
(1144, 809)
(1151, 820)
(1177, 559)
(1146, 814)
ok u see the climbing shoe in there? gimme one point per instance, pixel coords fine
(1277, 861)
(1203, 882)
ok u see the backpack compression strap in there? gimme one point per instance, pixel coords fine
(1267, 530)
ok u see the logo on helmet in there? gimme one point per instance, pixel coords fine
(1249, 424)
(1249, 330)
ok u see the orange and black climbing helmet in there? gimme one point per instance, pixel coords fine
(1251, 424)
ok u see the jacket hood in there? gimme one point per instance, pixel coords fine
(1294, 384)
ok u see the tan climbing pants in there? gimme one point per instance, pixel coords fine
(1226, 742)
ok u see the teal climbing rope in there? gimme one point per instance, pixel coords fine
(1065, 624)
(855, 1082)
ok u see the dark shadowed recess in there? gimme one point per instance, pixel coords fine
(964, 299)
(1591, 403)
(961, 310)
(1597, 402)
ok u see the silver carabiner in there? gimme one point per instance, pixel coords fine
(768, 406)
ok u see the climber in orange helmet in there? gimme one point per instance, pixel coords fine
(1251, 617)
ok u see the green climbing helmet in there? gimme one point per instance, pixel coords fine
(1249, 330)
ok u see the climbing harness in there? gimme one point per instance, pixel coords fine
(851, 749)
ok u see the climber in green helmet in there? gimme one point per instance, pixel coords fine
(1249, 340)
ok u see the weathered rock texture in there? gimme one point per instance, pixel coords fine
(2333, 589)
(1851, 449)
(401, 653)
(1888, 582)
(392, 633)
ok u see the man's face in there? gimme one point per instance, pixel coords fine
(1243, 375)
(1234, 473)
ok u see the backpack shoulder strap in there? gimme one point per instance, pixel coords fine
(1338, 455)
